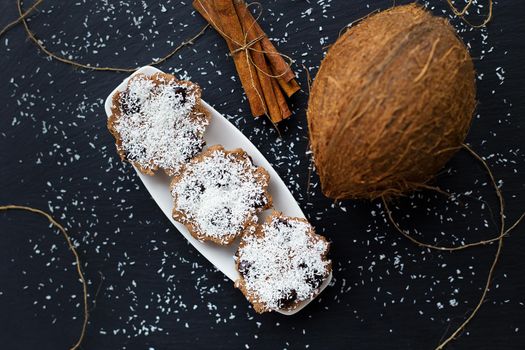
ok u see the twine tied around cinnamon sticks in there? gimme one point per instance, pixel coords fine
(265, 73)
(248, 46)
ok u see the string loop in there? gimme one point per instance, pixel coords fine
(77, 262)
(247, 45)
(461, 14)
(502, 233)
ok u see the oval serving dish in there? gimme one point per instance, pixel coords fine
(220, 131)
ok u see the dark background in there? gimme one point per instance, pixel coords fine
(158, 292)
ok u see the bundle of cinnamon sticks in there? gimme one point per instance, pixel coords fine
(264, 73)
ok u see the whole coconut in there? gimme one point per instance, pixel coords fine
(391, 103)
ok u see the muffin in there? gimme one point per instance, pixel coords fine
(158, 122)
(218, 194)
(281, 263)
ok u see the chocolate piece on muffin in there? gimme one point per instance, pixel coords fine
(282, 263)
(218, 194)
(158, 122)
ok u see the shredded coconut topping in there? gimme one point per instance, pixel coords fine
(218, 194)
(158, 126)
(283, 263)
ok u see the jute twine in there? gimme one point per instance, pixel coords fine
(71, 247)
(461, 13)
(502, 233)
(31, 35)
(16, 21)
(245, 47)
(22, 19)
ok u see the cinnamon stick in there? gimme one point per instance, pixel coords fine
(278, 63)
(290, 87)
(273, 100)
(283, 106)
(222, 16)
(263, 72)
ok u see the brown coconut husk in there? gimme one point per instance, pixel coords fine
(391, 103)
(385, 122)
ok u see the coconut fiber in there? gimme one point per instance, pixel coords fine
(390, 105)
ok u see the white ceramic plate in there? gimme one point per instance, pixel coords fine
(220, 131)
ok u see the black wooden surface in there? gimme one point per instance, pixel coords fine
(158, 292)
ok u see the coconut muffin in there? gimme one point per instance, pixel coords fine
(282, 263)
(158, 122)
(218, 194)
